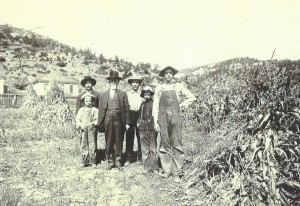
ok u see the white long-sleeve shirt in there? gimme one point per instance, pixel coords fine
(184, 96)
(134, 100)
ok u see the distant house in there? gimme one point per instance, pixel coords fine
(3, 87)
(69, 85)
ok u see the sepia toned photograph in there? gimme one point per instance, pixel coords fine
(146, 103)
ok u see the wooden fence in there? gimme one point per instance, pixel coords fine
(15, 100)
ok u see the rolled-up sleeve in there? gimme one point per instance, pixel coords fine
(187, 96)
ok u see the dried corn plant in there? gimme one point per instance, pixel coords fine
(52, 110)
(253, 124)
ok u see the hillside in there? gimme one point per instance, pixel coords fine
(27, 56)
(241, 136)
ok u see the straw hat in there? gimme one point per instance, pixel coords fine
(135, 78)
(87, 94)
(147, 89)
(162, 72)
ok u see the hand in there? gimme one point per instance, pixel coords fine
(156, 127)
(127, 126)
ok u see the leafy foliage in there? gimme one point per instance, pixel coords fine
(253, 123)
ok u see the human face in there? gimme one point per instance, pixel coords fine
(114, 84)
(135, 85)
(88, 85)
(169, 75)
(88, 101)
(147, 96)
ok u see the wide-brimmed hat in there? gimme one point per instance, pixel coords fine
(88, 78)
(147, 89)
(113, 75)
(162, 72)
(87, 94)
(135, 78)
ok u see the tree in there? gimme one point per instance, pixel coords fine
(6, 29)
(21, 53)
(117, 61)
(102, 59)
(21, 83)
(156, 68)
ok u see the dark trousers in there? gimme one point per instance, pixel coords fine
(130, 133)
(149, 145)
(113, 136)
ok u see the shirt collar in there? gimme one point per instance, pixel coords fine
(133, 92)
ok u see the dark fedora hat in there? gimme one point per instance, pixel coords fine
(88, 78)
(147, 89)
(162, 72)
(113, 75)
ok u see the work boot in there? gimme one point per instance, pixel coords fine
(177, 179)
(118, 165)
(127, 163)
(110, 165)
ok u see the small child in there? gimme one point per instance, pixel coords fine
(147, 132)
(86, 119)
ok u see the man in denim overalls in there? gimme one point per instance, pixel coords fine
(169, 97)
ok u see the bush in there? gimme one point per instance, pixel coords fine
(61, 64)
(86, 62)
(62, 70)
(21, 82)
(2, 59)
(126, 75)
(4, 43)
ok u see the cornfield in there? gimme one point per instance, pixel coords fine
(252, 120)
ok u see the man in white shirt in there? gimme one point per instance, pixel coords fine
(134, 101)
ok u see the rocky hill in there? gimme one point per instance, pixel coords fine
(26, 56)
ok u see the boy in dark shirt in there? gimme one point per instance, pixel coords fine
(147, 132)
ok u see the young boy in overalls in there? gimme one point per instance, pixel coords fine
(147, 132)
(86, 119)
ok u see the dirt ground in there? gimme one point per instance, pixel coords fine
(50, 173)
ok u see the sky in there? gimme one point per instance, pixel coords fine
(179, 33)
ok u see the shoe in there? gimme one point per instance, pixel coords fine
(119, 166)
(145, 172)
(110, 166)
(165, 175)
(86, 165)
(127, 163)
(150, 172)
(177, 179)
(155, 172)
